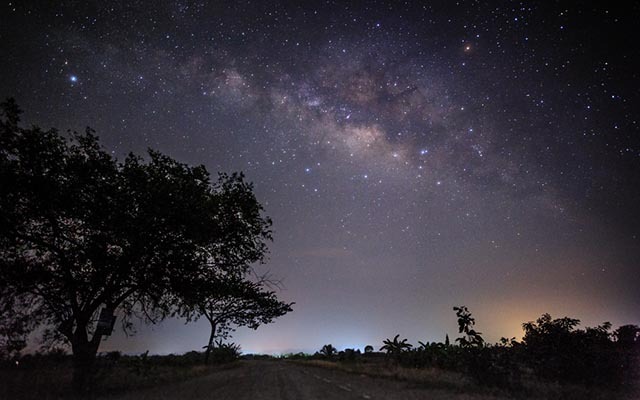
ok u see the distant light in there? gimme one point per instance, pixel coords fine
(73, 78)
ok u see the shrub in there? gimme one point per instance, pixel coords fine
(225, 352)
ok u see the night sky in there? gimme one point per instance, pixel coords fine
(413, 156)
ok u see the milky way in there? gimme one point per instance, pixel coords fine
(413, 157)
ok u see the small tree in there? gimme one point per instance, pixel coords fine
(395, 347)
(557, 350)
(328, 351)
(83, 235)
(223, 352)
(465, 325)
(236, 301)
(627, 336)
(368, 349)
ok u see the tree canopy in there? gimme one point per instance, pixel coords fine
(81, 231)
(557, 349)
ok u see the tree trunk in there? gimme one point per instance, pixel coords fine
(212, 337)
(84, 357)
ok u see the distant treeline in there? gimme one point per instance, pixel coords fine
(553, 350)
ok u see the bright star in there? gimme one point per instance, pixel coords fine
(73, 78)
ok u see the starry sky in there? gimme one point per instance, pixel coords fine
(414, 156)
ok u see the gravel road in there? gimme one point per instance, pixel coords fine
(267, 380)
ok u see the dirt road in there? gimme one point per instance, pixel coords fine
(270, 380)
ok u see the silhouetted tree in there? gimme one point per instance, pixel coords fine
(465, 325)
(235, 301)
(428, 354)
(222, 352)
(395, 347)
(349, 355)
(627, 336)
(328, 351)
(504, 342)
(627, 342)
(16, 322)
(558, 351)
(368, 349)
(81, 232)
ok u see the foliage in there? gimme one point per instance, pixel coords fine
(235, 301)
(81, 231)
(556, 350)
(46, 375)
(426, 355)
(224, 352)
(288, 356)
(368, 349)
(554, 357)
(465, 325)
(328, 351)
(395, 347)
(16, 322)
(349, 355)
(553, 350)
(627, 336)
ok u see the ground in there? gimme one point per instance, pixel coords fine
(266, 380)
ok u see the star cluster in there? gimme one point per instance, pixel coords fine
(413, 156)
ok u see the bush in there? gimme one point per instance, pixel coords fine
(559, 352)
(225, 352)
(349, 355)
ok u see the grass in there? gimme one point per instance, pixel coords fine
(448, 380)
(433, 377)
(437, 383)
(53, 381)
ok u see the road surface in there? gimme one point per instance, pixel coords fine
(271, 380)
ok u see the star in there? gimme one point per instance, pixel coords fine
(459, 115)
